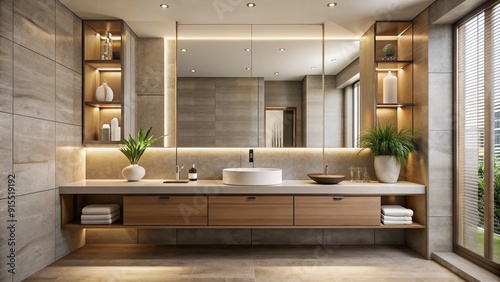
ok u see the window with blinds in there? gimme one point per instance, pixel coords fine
(478, 134)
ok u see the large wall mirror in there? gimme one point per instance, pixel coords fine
(263, 86)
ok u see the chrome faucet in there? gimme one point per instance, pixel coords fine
(326, 170)
(178, 172)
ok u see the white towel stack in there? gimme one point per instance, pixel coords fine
(396, 214)
(100, 214)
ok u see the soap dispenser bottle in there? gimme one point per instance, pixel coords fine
(193, 174)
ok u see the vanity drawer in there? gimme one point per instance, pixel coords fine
(164, 210)
(250, 210)
(337, 210)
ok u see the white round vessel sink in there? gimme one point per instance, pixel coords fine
(251, 176)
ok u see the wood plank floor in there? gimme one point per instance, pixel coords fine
(243, 263)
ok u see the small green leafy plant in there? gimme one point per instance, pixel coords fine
(386, 139)
(134, 148)
(496, 194)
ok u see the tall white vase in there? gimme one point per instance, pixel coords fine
(387, 169)
(133, 172)
(390, 89)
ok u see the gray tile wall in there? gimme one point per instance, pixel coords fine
(150, 85)
(440, 138)
(334, 114)
(313, 106)
(107, 163)
(433, 118)
(40, 127)
(226, 112)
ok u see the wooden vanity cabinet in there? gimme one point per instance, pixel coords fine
(353, 205)
(164, 210)
(336, 210)
(250, 210)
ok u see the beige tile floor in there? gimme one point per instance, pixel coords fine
(243, 263)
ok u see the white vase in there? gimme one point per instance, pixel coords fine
(387, 169)
(390, 89)
(133, 172)
(104, 93)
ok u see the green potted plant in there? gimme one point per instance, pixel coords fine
(133, 150)
(391, 148)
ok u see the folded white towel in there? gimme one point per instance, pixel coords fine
(396, 218)
(394, 222)
(100, 216)
(101, 221)
(396, 210)
(100, 209)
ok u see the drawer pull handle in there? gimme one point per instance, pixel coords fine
(164, 197)
(338, 198)
(251, 198)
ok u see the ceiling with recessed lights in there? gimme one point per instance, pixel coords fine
(344, 22)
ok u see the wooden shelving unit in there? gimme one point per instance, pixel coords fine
(373, 68)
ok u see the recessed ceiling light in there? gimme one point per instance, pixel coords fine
(313, 68)
(331, 5)
(248, 49)
(163, 6)
(251, 5)
(193, 70)
(184, 50)
(282, 49)
(276, 73)
(248, 68)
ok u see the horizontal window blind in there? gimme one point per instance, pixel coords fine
(478, 133)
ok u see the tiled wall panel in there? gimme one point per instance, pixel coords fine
(40, 140)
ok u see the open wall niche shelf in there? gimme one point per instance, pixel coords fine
(397, 36)
(387, 46)
(114, 67)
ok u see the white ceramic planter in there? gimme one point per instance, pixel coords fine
(387, 169)
(133, 172)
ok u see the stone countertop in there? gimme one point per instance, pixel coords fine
(216, 187)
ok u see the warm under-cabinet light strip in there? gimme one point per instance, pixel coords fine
(165, 90)
(390, 105)
(109, 69)
(383, 69)
(267, 38)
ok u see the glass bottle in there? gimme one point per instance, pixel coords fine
(366, 176)
(193, 174)
(107, 47)
(351, 172)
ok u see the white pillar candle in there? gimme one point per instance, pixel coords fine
(390, 89)
(115, 130)
(117, 136)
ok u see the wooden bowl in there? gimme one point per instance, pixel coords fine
(326, 178)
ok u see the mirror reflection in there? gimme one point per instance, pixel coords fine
(261, 86)
(280, 127)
